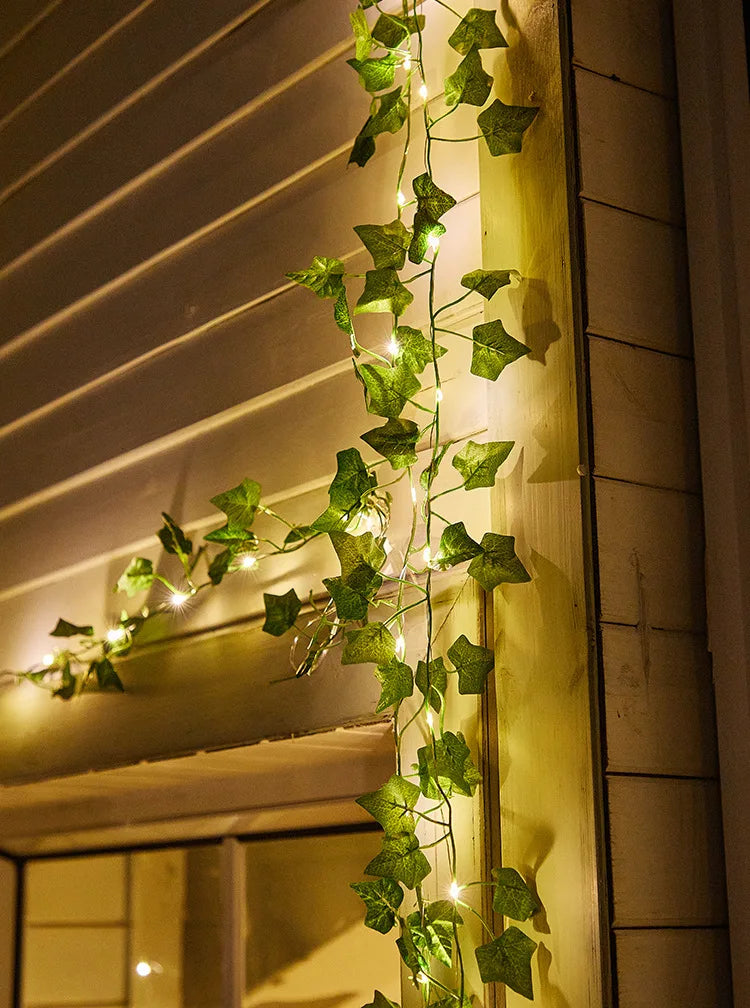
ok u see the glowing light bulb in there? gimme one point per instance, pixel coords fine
(423, 91)
(407, 63)
(400, 646)
(116, 635)
(430, 720)
(427, 555)
(414, 495)
(393, 347)
(178, 599)
(434, 242)
(143, 969)
(422, 977)
(48, 659)
(401, 199)
(438, 395)
(248, 561)
(455, 890)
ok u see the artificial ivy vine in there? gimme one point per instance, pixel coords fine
(388, 48)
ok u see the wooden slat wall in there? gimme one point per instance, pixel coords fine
(8, 882)
(667, 898)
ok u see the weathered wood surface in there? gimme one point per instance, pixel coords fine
(629, 41)
(643, 416)
(21, 17)
(547, 792)
(659, 702)
(7, 930)
(616, 125)
(688, 966)
(650, 550)
(666, 851)
(636, 280)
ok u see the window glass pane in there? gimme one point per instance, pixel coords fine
(306, 943)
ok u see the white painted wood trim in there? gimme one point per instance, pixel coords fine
(715, 124)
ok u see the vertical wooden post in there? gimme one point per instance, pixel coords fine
(8, 909)
(233, 918)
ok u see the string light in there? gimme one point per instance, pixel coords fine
(438, 395)
(414, 495)
(455, 890)
(143, 969)
(407, 63)
(400, 646)
(116, 635)
(427, 555)
(434, 242)
(248, 561)
(48, 659)
(423, 91)
(178, 599)
(401, 199)
(422, 978)
(430, 720)
(394, 347)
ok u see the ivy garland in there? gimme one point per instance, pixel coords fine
(357, 519)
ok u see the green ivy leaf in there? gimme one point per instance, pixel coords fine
(239, 504)
(350, 605)
(487, 282)
(446, 765)
(324, 278)
(503, 126)
(434, 933)
(373, 643)
(341, 314)
(400, 859)
(173, 539)
(383, 292)
(512, 897)
(351, 485)
(387, 389)
(456, 546)
(469, 85)
(364, 147)
(362, 38)
(68, 682)
(65, 629)
(414, 350)
(106, 677)
(380, 1000)
(361, 558)
(281, 612)
(493, 350)
(376, 74)
(220, 565)
(395, 441)
(397, 680)
(477, 29)
(386, 243)
(432, 687)
(138, 577)
(392, 804)
(238, 539)
(478, 463)
(299, 534)
(507, 960)
(382, 899)
(497, 563)
(391, 30)
(432, 203)
(389, 115)
(412, 949)
(473, 664)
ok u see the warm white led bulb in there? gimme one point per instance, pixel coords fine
(400, 646)
(430, 720)
(455, 890)
(248, 561)
(178, 599)
(393, 347)
(143, 969)
(438, 395)
(116, 635)
(407, 63)
(48, 659)
(423, 91)
(401, 199)
(414, 495)
(421, 977)
(426, 555)
(434, 242)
